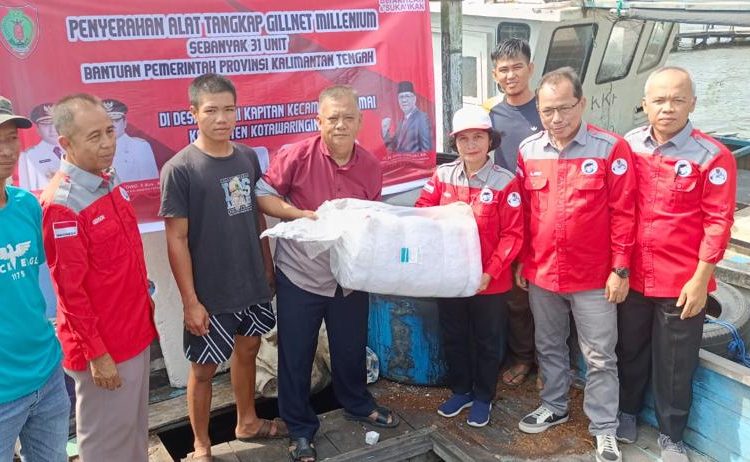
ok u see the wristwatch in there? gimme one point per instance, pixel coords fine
(621, 271)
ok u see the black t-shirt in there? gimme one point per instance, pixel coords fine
(217, 196)
(515, 124)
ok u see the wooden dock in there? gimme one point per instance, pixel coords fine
(423, 436)
(711, 35)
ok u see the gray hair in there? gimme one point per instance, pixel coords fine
(562, 74)
(663, 69)
(339, 92)
(64, 111)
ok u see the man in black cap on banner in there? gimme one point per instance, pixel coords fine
(40, 162)
(413, 133)
(134, 158)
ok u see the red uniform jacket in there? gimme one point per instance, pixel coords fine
(494, 195)
(686, 199)
(580, 209)
(95, 255)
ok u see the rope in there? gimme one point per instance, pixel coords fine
(736, 347)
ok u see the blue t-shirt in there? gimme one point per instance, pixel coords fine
(515, 124)
(29, 350)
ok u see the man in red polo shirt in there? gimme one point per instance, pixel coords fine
(579, 191)
(104, 311)
(301, 177)
(686, 198)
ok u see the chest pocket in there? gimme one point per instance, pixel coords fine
(538, 188)
(105, 243)
(684, 193)
(590, 189)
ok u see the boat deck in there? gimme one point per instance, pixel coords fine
(423, 436)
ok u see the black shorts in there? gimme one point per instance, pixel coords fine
(216, 347)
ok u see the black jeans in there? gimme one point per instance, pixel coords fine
(653, 339)
(299, 316)
(473, 329)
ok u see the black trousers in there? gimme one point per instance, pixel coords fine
(520, 327)
(654, 341)
(473, 330)
(299, 316)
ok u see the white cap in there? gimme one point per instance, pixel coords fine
(471, 117)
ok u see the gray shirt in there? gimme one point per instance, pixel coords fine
(515, 124)
(217, 196)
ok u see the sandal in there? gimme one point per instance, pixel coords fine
(380, 420)
(302, 450)
(269, 429)
(516, 374)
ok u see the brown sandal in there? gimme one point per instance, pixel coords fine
(266, 431)
(516, 374)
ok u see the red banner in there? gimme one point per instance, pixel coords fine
(139, 56)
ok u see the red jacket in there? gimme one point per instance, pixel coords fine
(494, 195)
(95, 255)
(580, 209)
(686, 199)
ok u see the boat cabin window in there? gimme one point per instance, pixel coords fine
(657, 43)
(508, 30)
(571, 46)
(620, 51)
(469, 77)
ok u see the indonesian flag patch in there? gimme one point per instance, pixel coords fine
(63, 229)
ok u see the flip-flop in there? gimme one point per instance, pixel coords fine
(381, 419)
(265, 431)
(512, 374)
(206, 458)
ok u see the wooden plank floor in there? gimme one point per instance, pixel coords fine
(500, 440)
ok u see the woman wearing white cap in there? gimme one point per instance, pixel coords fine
(472, 326)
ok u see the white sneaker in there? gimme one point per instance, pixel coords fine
(606, 449)
(541, 419)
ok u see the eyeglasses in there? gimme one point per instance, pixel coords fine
(549, 112)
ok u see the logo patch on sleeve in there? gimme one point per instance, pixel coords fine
(124, 194)
(63, 229)
(718, 176)
(514, 199)
(429, 187)
(619, 166)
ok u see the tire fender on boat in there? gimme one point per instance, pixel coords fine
(734, 306)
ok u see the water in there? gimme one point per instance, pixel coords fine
(722, 81)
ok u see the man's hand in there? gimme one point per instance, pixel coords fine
(308, 214)
(104, 372)
(520, 280)
(616, 288)
(693, 297)
(484, 282)
(271, 279)
(196, 318)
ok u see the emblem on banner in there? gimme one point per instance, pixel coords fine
(20, 29)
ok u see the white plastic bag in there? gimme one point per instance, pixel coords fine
(386, 249)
